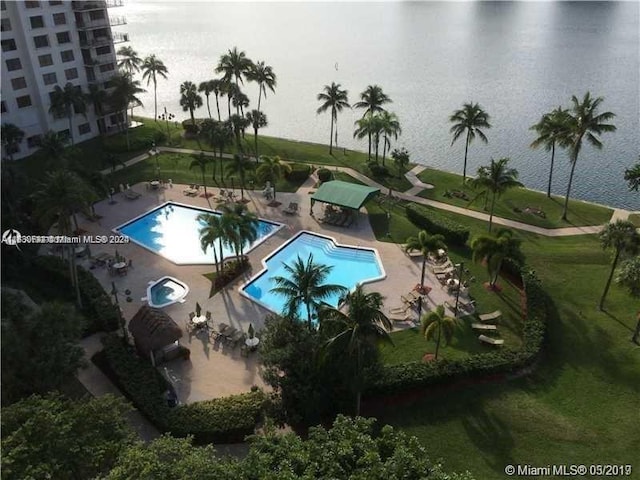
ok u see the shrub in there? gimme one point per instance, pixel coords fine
(325, 175)
(378, 170)
(230, 272)
(176, 139)
(436, 223)
(140, 138)
(299, 172)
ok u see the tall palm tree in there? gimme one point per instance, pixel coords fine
(234, 65)
(632, 177)
(218, 135)
(362, 327)
(240, 226)
(240, 100)
(495, 249)
(124, 93)
(207, 89)
(583, 121)
(304, 286)
(550, 129)
(59, 197)
(200, 161)
(152, 68)
(52, 146)
(272, 169)
(238, 124)
(67, 101)
(98, 97)
(228, 89)
(368, 126)
(390, 129)
(211, 232)
(495, 179)
(189, 99)
(334, 98)
(257, 120)
(623, 237)
(435, 325)
(11, 135)
(372, 100)
(239, 165)
(217, 89)
(471, 119)
(265, 78)
(426, 244)
(129, 60)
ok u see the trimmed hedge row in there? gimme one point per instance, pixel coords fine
(395, 378)
(137, 141)
(221, 420)
(299, 172)
(436, 223)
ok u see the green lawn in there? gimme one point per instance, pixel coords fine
(635, 219)
(580, 213)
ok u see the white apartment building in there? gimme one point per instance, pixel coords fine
(49, 43)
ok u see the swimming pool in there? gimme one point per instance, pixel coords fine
(172, 231)
(351, 266)
(166, 291)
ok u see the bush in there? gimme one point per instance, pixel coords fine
(325, 175)
(176, 139)
(299, 172)
(378, 170)
(140, 138)
(395, 378)
(436, 223)
(230, 272)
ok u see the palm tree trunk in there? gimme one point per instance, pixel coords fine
(255, 142)
(464, 168)
(438, 340)
(71, 125)
(331, 135)
(424, 266)
(204, 183)
(369, 146)
(494, 281)
(606, 287)
(259, 95)
(358, 380)
(126, 127)
(238, 103)
(384, 148)
(229, 106)
(155, 98)
(377, 145)
(208, 108)
(309, 315)
(242, 186)
(218, 108)
(636, 334)
(553, 153)
(493, 204)
(220, 250)
(566, 200)
(74, 276)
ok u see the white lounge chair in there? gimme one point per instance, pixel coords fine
(484, 326)
(488, 317)
(400, 317)
(491, 341)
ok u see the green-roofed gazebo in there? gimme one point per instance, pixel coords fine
(344, 194)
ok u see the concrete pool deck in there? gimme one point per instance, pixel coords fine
(215, 370)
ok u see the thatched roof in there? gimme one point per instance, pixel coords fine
(153, 329)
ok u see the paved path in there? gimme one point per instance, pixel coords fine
(411, 196)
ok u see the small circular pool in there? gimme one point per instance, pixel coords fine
(166, 291)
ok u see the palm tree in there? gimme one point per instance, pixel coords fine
(265, 78)
(217, 89)
(129, 62)
(52, 146)
(583, 121)
(201, 161)
(207, 89)
(367, 126)
(550, 128)
(58, 199)
(11, 135)
(189, 99)
(495, 249)
(211, 232)
(234, 65)
(257, 120)
(303, 286)
(364, 326)
(390, 129)
(401, 159)
(239, 165)
(238, 124)
(426, 244)
(623, 237)
(125, 92)
(240, 100)
(67, 101)
(98, 96)
(632, 176)
(495, 179)
(272, 169)
(470, 119)
(240, 226)
(334, 98)
(435, 325)
(372, 100)
(218, 135)
(152, 68)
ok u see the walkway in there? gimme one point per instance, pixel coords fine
(411, 196)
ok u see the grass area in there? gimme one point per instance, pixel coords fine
(580, 213)
(345, 177)
(635, 219)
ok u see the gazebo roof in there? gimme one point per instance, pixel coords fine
(153, 329)
(344, 194)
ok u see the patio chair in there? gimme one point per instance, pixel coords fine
(484, 326)
(235, 338)
(399, 317)
(491, 341)
(292, 209)
(397, 310)
(488, 317)
(132, 194)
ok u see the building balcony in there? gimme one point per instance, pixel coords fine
(104, 40)
(101, 23)
(85, 6)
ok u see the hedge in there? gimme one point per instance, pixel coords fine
(324, 175)
(142, 140)
(230, 271)
(436, 223)
(221, 420)
(299, 172)
(392, 379)
(378, 170)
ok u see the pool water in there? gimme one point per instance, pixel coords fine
(351, 266)
(172, 230)
(166, 291)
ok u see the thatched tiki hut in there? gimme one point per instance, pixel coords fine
(156, 335)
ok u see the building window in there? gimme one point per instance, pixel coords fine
(9, 45)
(103, 50)
(107, 67)
(3, 107)
(32, 4)
(63, 37)
(18, 83)
(45, 60)
(71, 73)
(59, 19)
(67, 56)
(5, 25)
(3, 5)
(96, 15)
(13, 64)
(37, 21)
(34, 141)
(54, 3)
(41, 41)
(50, 78)
(84, 128)
(24, 101)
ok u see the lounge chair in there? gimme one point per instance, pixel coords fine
(191, 191)
(397, 310)
(292, 209)
(488, 317)
(483, 326)
(491, 341)
(132, 194)
(399, 317)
